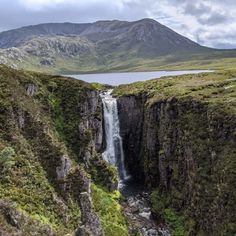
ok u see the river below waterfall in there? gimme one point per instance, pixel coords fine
(137, 201)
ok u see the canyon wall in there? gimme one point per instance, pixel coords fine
(183, 147)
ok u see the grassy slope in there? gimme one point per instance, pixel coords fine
(68, 66)
(214, 88)
(49, 131)
(28, 185)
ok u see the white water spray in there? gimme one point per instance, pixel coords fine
(114, 153)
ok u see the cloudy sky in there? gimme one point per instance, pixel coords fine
(209, 22)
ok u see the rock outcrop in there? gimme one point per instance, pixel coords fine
(79, 186)
(139, 215)
(91, 224)
(31, 89)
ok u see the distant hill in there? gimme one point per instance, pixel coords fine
(102, 46)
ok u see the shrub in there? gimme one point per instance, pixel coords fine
(7, 159)
(176, 222)
(158, 203)
(108, 207)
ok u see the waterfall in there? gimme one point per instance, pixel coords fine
(114, 153)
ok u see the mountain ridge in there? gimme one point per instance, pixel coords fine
(71, 29)
(100, 46)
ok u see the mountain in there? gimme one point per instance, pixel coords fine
(142, 34)
(103, 45)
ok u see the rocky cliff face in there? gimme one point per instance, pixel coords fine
(184, 147)
(131, 115)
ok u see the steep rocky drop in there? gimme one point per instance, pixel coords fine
(179, 141)
(137, 203)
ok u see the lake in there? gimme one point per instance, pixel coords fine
(130, 77)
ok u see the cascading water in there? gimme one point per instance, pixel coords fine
(114, 153)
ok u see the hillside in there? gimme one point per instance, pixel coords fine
(52, 178)
(106, 46)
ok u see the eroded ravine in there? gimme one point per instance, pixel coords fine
(137, 201)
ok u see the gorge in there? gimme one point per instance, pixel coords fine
(178, 138)
(137, 209)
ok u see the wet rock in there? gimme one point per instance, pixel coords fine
(134, 210)
(178, 146)
(146, 215)
(131, 124)
(154, 232)
(138, 212)
(149, 232)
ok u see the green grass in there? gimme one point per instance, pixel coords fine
(110, 211)
(217, 88)
(175, 221)
(101, 86)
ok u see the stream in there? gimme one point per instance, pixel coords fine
(137, 201)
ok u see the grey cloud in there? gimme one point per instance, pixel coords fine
(196, 10)
(214, 19)
(206, 14)
(15, 15)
